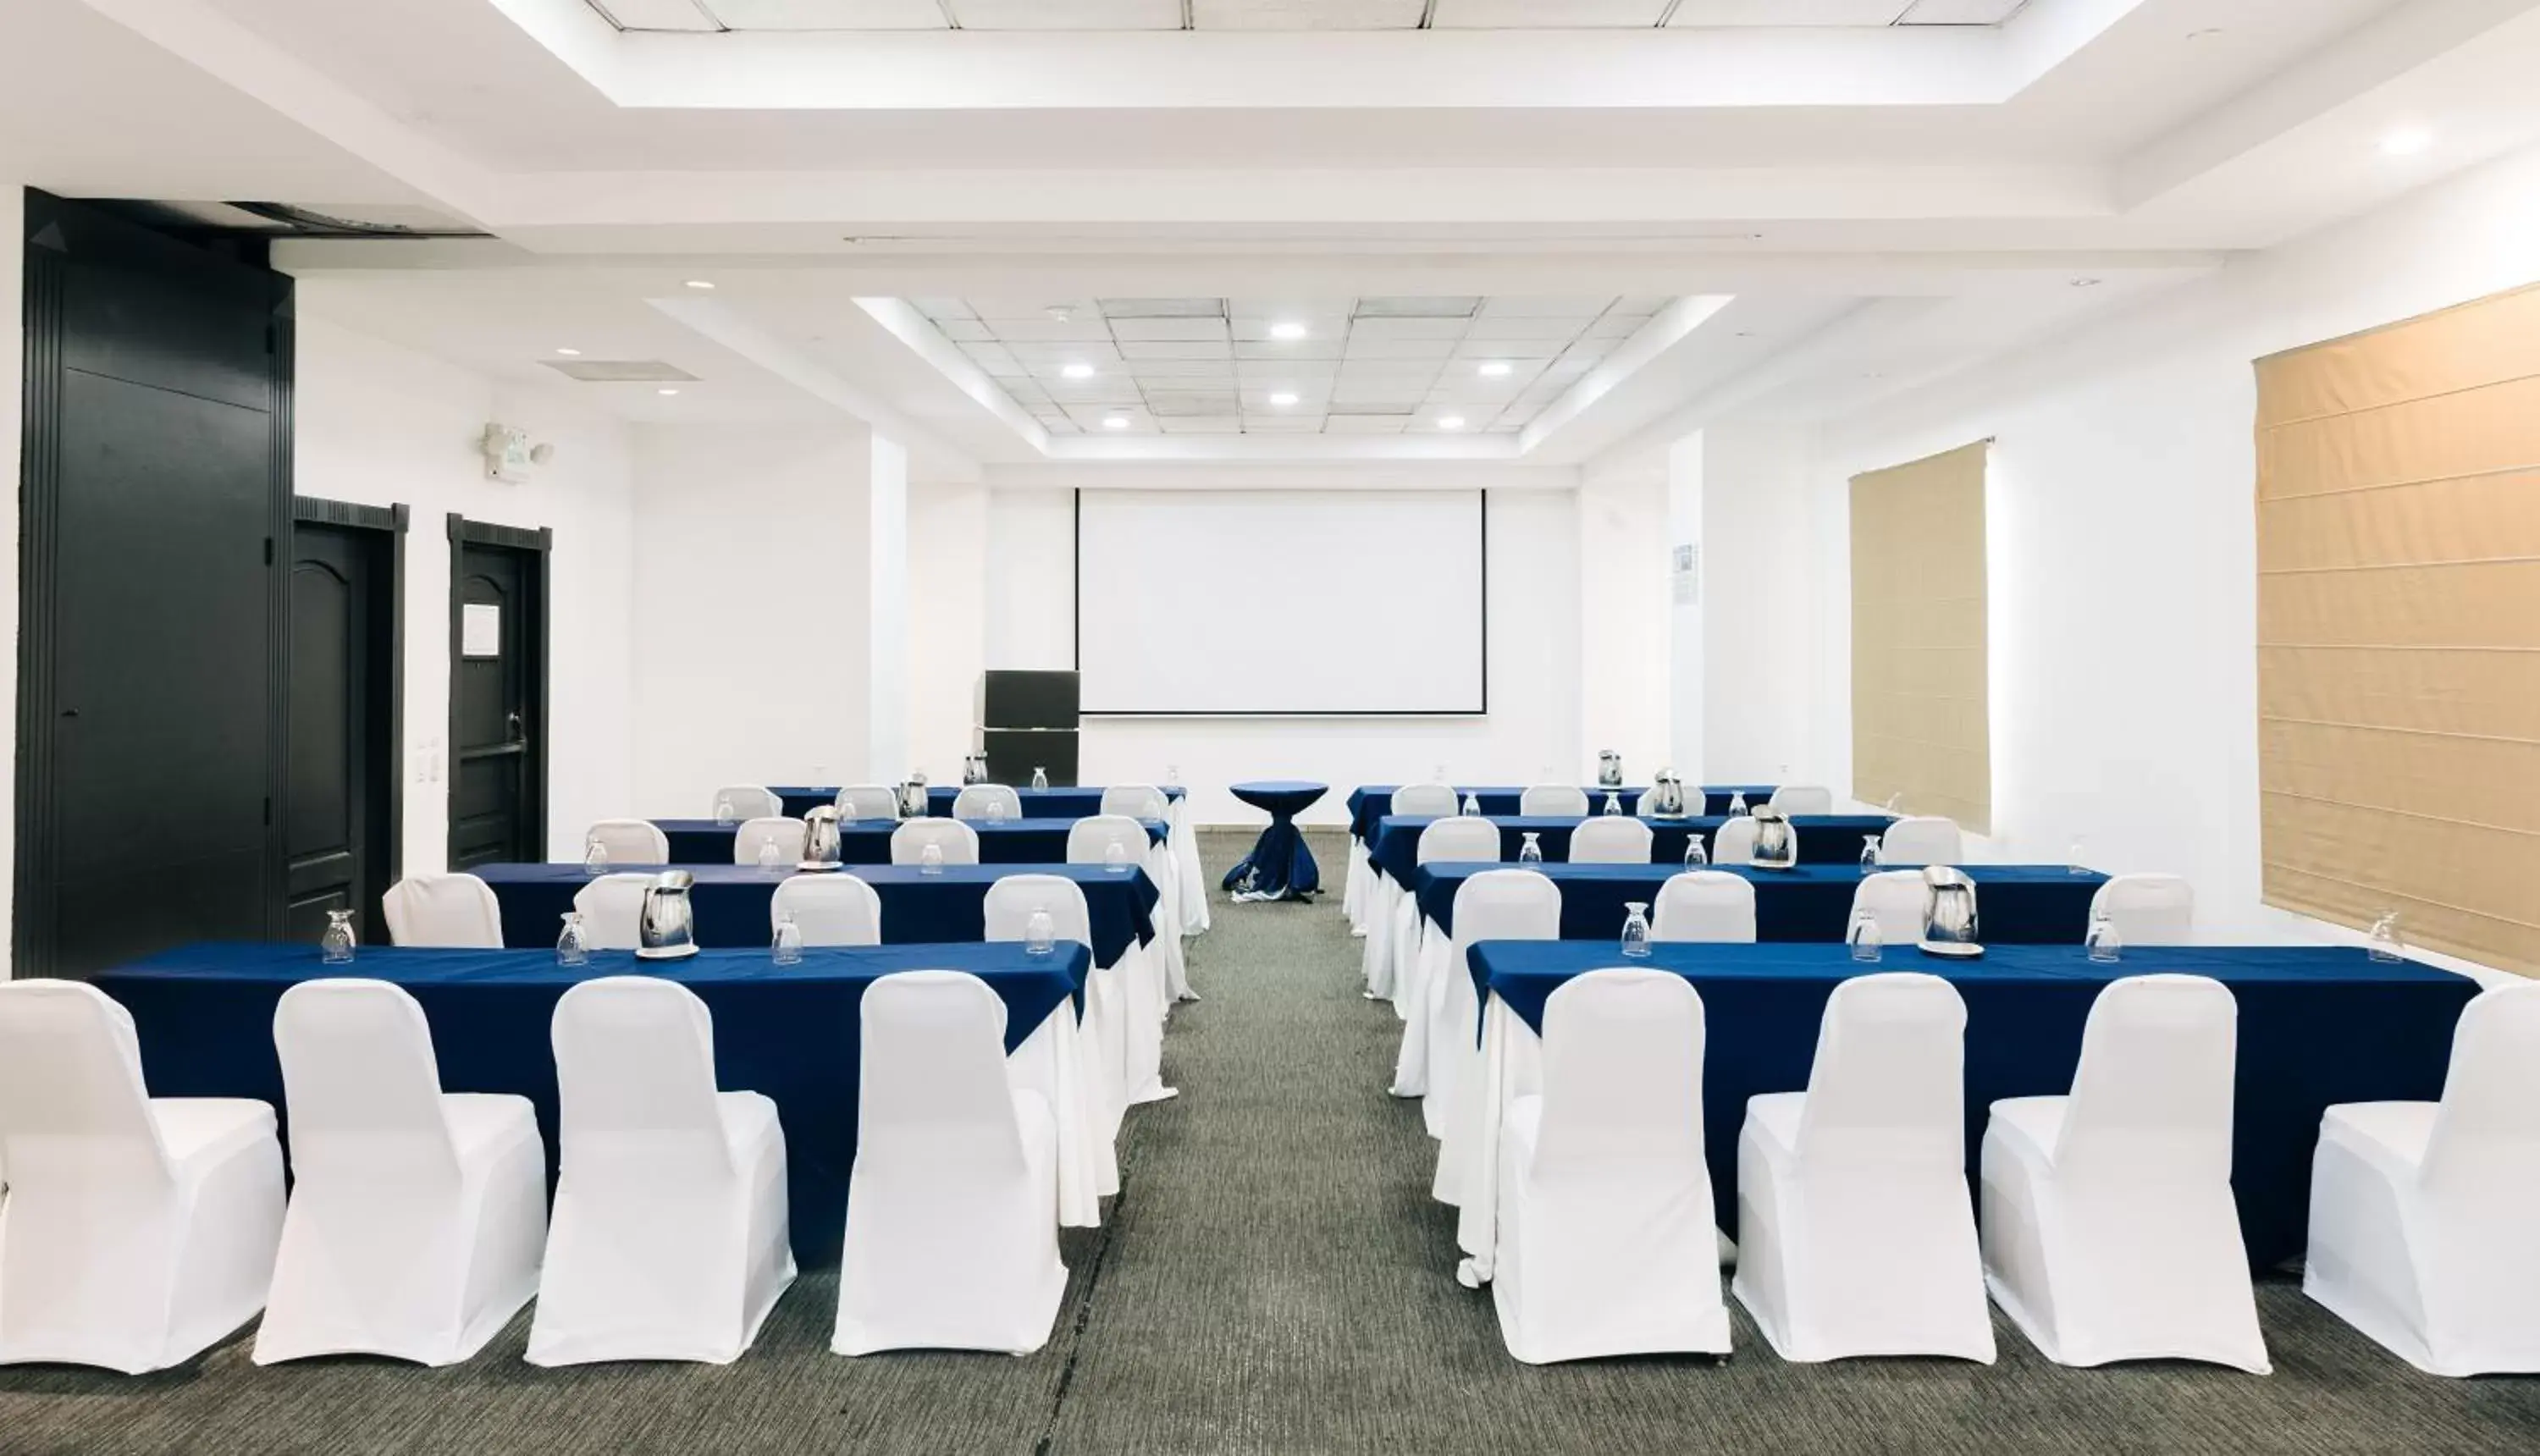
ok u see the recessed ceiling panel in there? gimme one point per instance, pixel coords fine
(655, 15)
(1789, 12)
(1306, 15)
(1537, 15)
(1069, 15)
(826, 14)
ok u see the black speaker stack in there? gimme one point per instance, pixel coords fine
(1027, 722)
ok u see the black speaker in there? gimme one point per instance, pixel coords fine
(1013, 754)
(1027, 700)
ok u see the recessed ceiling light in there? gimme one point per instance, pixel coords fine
(666, 391)
(1495, 369)
(1115, 422)
(2407, 141)
(570, 353)
(1283, 399)
(700, 283)
(1450, 422)
(1077, 371)
(2086, 283)
(1287, 330)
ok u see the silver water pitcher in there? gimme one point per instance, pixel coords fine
(1776, 843)
(1948, 911)
(1610, 769)
(667, 928)
(912, 798)
(974, 768)
(1666, 799)
(821, 838)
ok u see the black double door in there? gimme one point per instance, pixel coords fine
(341, 821)
(497, 752)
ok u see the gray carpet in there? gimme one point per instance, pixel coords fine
(1274, 1280)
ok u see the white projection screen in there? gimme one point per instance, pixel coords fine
(1239, 603)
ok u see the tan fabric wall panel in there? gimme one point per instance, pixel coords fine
(1919, 685)
(2398, 506)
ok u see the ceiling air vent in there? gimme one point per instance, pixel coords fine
(617, 371)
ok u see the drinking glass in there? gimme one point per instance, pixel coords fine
(2102, 941)
(1531, 852)
(1040, 931)
(725, 815)
(929, 859)
(786, 949)
(595, 858)
(1040, 777)
(1873, 853)
(2386, 941)
(1697, 855)
(335, 946)
(2073, 858)
(1737, 804)
(996, 812)
(573, 947)
(1472, 807)
(1862, 936)
(767, 853)
(1613, 802)
(1636, 928)
(1115, 857)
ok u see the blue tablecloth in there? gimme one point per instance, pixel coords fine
(1372, 802)
(1280, 866)
(2317, 1025)
(1038, 804)
(729, 902)
(868, 841)
(2015, 904)
(1824, 839)
(205, 1018)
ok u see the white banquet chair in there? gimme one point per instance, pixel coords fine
(1895, 898)
(630, 841)
(953, 1208)
(1802, 798)
(866, 801)
(1855, 1233)
(830, 909)
(2109, 1231)
(786, 834)
(987, 802)
(417, 1217)
(1137, 801)
(1611, 839)
(1407, 962)
(1552, 801)
(1088, 842)
(1920, 839)
(747, 801)
(669, 1239)
(958, 842)
(1494, 905)
(1104, 1034)
(1734, 842)
(1436, 799)
(1361, 903)
(2421, 1212)
(139, 1230)
(2147, 908)
(612, 910)
(1606, 1245)
(1709, 906)
(450, 911)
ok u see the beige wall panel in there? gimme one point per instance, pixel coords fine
(1919, 666)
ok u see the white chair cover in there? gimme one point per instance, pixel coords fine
(1137, 801)
(2421, 1212)
(959, 840)
(455, 911)
(1494, 905)
(1606, 1238)
(2149, 909)
(952, 1209)
(1802, 798)
(786, 834)
(1457, 838)
(1120, 1029)
(1436, 800)
(630, 841)
(832, 908)
(866, 801)
(2109, 1231)
(1088, 842)
(1921, 839)
(669, 1234)
(973, 801)
(612, 909)
(1705, 904)
(747, 801)
(1734, 842)
(1090, 839)
(1552, 800)
(1897, 898)
(417, 1217)
(139, 1230)
(1611, 839)
(1854, 1235)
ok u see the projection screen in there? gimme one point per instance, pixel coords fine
(1245, 603)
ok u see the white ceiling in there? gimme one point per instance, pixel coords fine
(1285, 15)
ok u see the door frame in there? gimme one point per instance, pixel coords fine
(391, 520)
(539, 547)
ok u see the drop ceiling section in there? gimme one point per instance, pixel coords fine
(1212, 366)
(1288, 15)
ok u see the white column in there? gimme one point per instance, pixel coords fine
(1626, 683)
(886, 733)
(1686, 572)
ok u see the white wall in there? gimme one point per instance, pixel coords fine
(2122, 540)
(948, 608)
(1626, 631)
(379, 424)
(1533, 726)
(1757, 619)
(752, 610)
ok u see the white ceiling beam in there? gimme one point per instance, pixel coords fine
(1662, 332)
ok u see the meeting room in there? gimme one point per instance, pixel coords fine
(1161, 727)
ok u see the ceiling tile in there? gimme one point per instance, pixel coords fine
(1163, 308)
(1181, 369)
(1283, 424)
(1069, 15)
(965, 330)
(1176, 349)
(1419, 306)
(1365, 348)
(1581, 310)
(828, 15)
(1390, 424)
(941, 308)
(1456, 15)
(996, 358)
(1306, 15)
(1538, 329)
(655, 15)
(1409, 328)
(1295, 371)
(1049, 330)
(1787, 12)
(1311, 348)
(1960, 12)
(1126, 329)
(1095, 352)
(1035, 309)
(1203, 424)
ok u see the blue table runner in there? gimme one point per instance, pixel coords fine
(1369, 803)
(868, 841)
(1824, 839)
(2015, 904)
(1038, 804)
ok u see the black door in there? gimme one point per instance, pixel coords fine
(497, 689)
(339, 829)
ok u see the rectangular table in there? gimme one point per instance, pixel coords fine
(2317, 1025)
(1369, 803)
(1824, 839)
(868, 841)
(729, 902)
(204, 1015)
(2015, 904)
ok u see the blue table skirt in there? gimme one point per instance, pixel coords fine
(1372, 802)
(2317, 1025)
(205, 1018)
(2015, 904)
(868, 841)
(729, 902)
(1824, 839)
(1038, 804)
